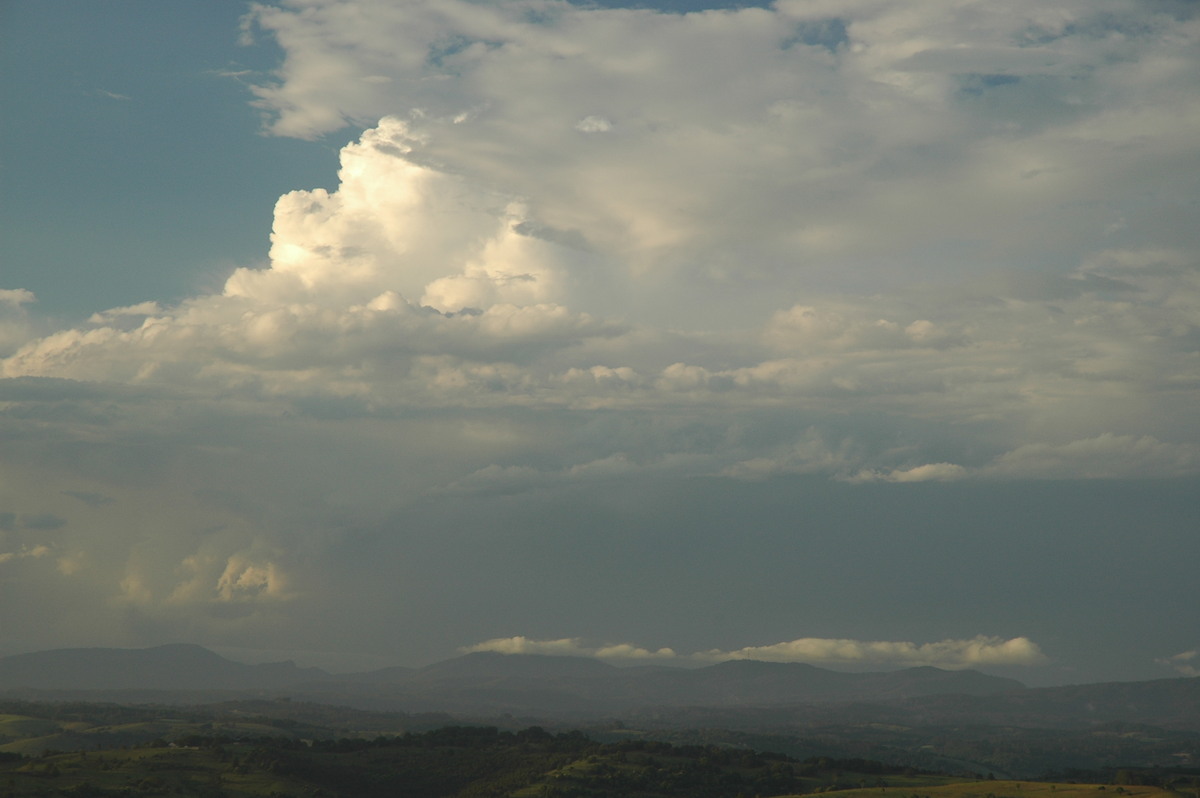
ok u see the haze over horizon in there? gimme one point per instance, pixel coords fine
(864, 334)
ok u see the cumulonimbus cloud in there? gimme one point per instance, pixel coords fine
(482, 249)
(878, 242)
(966, 653)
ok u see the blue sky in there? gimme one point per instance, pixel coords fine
(102, 100)
(861, 334)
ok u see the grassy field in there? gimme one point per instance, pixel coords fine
(114, 751)
(525, 770)
(34, 736)
(16, 727)
(1009, 789)
(142, 772)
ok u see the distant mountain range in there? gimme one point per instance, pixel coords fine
(493, 683)
(174, 667)
(487, 682)
(728, 694)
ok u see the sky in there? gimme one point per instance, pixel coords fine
(361, 333)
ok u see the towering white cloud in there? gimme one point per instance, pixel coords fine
(782, 138)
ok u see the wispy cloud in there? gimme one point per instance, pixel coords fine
(930, 472)
(25, 552)
(16, 297)
(973, 652)
(88, 498)
(570, 647)
(981, 650)
(1186, 663)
